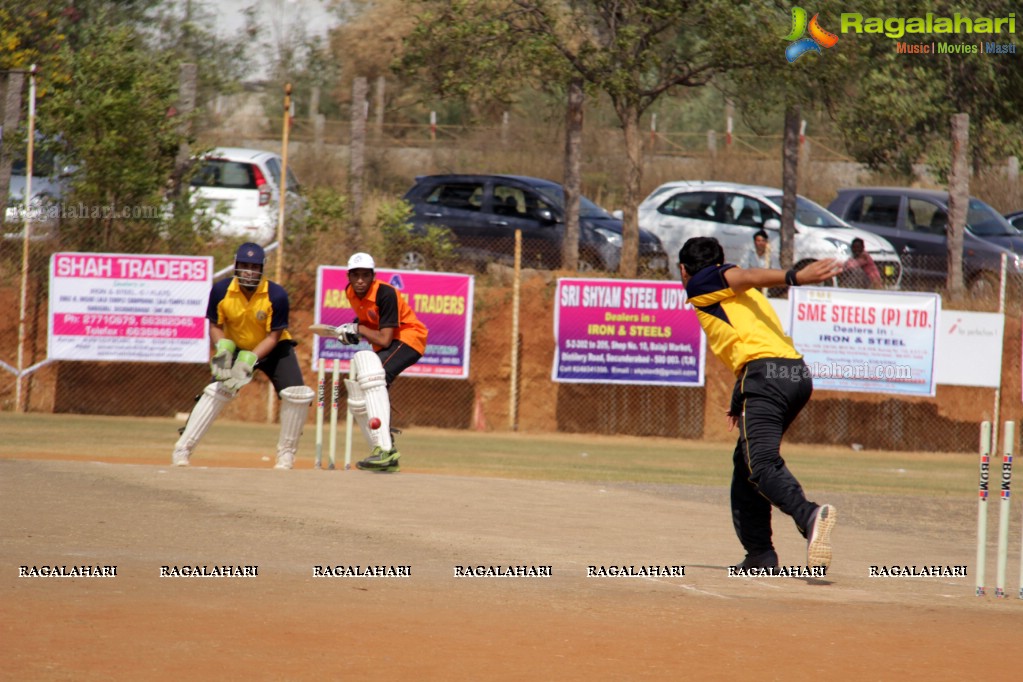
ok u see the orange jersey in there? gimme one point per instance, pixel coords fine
(383, 307)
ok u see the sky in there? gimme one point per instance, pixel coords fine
(230, 20)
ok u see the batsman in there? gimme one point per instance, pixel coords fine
(385, 319)
(248, 318)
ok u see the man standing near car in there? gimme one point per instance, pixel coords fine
(772, 386)
(385, 319)
(248, 317)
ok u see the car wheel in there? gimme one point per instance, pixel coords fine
(588, 263)
(984, 285)
(412, 260)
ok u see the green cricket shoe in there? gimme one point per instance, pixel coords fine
(381, 461)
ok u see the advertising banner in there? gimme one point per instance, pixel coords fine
(129, 307)
(627, 332)
(868, 341)
(441, 301)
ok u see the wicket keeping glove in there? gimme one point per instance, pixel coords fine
(348, 333)
(222, 360)
(241, 373)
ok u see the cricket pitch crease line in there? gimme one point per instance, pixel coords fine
(685, 587)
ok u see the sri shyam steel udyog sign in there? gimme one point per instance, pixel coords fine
(129, 307)
(626, 332)
(441, 301)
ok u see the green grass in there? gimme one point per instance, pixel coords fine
(555, 457)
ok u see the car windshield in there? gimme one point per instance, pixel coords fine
(43, 164)
(587, 209)
(810, 214)
(984, 221)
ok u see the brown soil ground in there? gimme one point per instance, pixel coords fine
(287, 624)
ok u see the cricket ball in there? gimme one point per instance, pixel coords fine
(374, 423)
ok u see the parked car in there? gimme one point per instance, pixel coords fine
(733, 213)
(484, 211)
(916, 221)
(49, 182)
(1015, 219)
(241, 188)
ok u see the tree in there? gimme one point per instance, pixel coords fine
(897, 109)
(633, 52)
(112, 119)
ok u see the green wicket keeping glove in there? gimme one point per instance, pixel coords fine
(241, 373)
(222, 360)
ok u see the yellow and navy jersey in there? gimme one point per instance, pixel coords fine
(383, 307)
(739, 327)
(247, 321)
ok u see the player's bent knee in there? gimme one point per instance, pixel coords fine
(369, 370)
(217, 392)
(300, 395)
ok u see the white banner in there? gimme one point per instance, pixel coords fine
(868, 341)
(969, 349)
(129, 307)
(961, 334)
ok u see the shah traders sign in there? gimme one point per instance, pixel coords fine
(129, 307)
(626, 332)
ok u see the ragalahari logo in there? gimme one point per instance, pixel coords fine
(817, 39)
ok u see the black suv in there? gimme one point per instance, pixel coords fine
(484, 211)
(915, 222)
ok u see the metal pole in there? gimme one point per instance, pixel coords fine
(284, 184)
(513, 393)
(26, 237)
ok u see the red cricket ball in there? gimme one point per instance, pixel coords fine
(374, 423)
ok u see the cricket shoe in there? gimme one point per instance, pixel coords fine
(285, 460)
(180, 458)
(381, 460)
(818, 539)
(768, 559)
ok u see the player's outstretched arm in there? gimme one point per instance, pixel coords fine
(740, 279)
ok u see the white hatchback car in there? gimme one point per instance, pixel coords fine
(733, 213)
(241, 187)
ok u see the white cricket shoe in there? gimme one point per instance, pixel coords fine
(180, 457)
(818, 541)
(285, 460)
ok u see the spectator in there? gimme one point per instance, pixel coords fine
(860, 271)
(760, 255)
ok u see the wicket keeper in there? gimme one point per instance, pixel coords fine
(248, 318)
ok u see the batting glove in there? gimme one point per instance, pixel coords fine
(241, 373)
(348, 333)
(222, 360)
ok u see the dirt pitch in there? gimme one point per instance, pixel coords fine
(286, 624)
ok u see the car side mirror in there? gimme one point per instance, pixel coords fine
(772, 224)
(546, 215)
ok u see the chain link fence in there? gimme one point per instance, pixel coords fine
(492, 398)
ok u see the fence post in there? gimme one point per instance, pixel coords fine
(378, 124)
(357, 152)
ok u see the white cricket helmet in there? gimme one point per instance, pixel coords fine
(361, 260)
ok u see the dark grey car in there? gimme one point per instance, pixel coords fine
(915, 221)
(1015, 219)
(484, 211)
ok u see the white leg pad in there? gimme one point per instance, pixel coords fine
(295, 401)
(357, 406)
(369, 372)
(212, 401)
